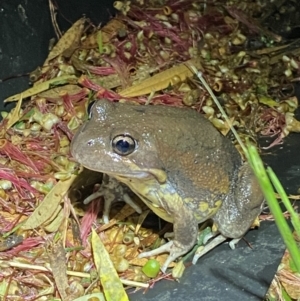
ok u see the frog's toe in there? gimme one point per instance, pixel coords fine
(92, 197)
(128, 200)
(162, 249)
(108, 200)
(208, 236)
(110, 195)
(233, 242)
(171, 247)
(212, 244)
(105, 218)
(169, 235)
(204, 249)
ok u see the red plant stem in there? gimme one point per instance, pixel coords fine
(46, 159)
(26, 245)
(89, 218)
(86, 82)
(100, 70)
(19, 183)
(64, 128)
(13, 152)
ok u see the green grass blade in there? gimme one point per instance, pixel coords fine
(294, 215)
(269, 194)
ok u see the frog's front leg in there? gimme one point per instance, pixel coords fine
(112, 190)
(185, 232)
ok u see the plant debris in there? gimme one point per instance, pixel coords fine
(286, 284)
(140, 56)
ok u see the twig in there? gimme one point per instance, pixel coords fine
(26, 266)
(52, 9)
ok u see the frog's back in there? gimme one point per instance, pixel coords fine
(201, 163)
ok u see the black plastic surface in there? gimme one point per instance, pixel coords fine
(223, 274)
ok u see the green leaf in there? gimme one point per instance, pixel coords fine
(285, 295)
(110, 281)
(268, 101)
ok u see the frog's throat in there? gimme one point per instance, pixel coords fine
(151, 193)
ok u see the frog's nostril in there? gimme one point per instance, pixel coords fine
(91, 142)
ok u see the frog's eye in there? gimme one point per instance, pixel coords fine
(123, 145)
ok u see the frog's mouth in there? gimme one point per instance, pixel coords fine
(146, 174)
(135, 175)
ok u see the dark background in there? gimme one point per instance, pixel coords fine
(223, 274)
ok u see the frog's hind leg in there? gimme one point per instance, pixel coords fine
(241, 207)
(185, 231)
(238, 211)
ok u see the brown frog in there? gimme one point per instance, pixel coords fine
(177, 163)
